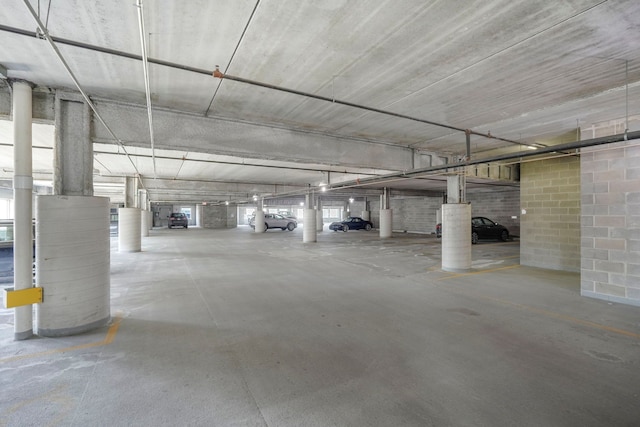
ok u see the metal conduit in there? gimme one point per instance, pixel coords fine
(147, 85)
(51, 42)
(416, 173)
(217, 73)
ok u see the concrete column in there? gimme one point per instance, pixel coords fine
(73, 264)
(366, 213)
(73, 149)
(73, 256)
(199, 212)
(129, 224)
(130, 192)
(145, 220)
(309, 233)
(385, 223)
(143, 203)
(456, 237)
(259, 225)
(345, 211)
(22, 190)
(319, 219)
(456, 189)
(386, 216)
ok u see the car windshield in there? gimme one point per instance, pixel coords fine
(177, 215)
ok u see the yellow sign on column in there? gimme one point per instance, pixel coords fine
(13, 298)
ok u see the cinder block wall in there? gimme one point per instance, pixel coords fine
(415, 214)
(550, 228)
(611, 223)
(219, 216)
(498, 204)
(418, 214)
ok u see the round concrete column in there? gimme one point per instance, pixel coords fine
(259, 225)
(385, 223)
(456, 237)
(199, 213)
(319, 220)
(366, 215)
(73, 264)
(144, 225)
(23, 213)
(309, 233)
(129, 224)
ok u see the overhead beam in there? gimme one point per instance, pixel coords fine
(178, 131)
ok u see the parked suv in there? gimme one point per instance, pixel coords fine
(275, 221)
(178, 219)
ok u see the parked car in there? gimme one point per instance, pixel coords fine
(288, 214)
(483, 228)
(275, 221)
(178, 219)
(351, 223)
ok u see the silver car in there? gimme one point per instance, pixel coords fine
(275, 221)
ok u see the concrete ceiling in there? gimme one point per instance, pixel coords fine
(531, 72)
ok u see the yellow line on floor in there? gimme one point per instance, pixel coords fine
(111, 334)
(473, 273)
(564, 317)
(542, 311)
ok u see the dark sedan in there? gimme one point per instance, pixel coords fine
(483, 228)
(178, 219)
(351, 223)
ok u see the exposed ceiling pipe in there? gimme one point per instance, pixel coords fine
(147, 86)
(233, 55)
(49, 39)
(217, 73)
(423, 172)
(416, 173)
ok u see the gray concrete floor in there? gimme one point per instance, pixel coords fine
(234, 328)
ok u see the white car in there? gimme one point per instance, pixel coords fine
(275, 221)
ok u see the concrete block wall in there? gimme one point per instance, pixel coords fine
(500, 204)
(550, 228)
(219, 216)
(415, 214)
(610, 225)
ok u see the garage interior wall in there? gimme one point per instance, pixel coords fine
(219, 216)
(418, 214)
(550, 228)
(611, 223)
(501, 204)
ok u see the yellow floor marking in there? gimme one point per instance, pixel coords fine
(564, 317)
(546, 312)
(111, 334)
